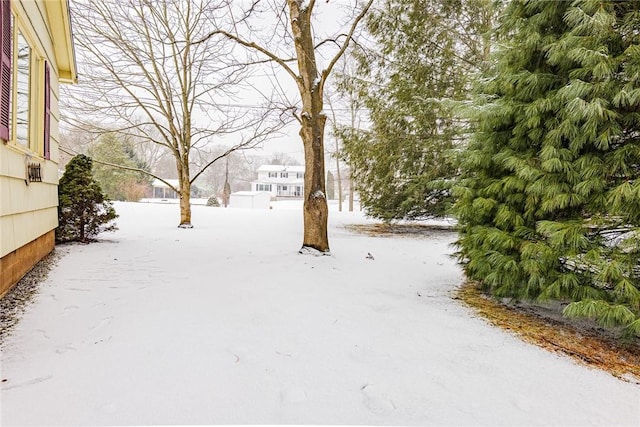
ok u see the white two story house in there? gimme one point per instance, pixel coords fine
(280, 181)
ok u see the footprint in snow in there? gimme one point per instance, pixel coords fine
(376, 400)
(29, 382)
(62, 349)
(70, 309)
(101, 323)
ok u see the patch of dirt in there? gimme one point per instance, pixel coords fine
(590, 346)
(410, 230)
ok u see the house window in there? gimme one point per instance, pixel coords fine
(284, 188)
(24, 87)
(273, 174)
(300, 175)
(22, 78)
(47, 111)
(263, 187)
(284, 175)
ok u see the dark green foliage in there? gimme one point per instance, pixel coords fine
(428, 51)
(83, 210)
(549, 205)
(116, 182)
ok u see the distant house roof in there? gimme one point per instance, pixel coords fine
(281, 168)
(160, 184)
(246, 193)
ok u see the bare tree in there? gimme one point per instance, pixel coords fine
(336, 150)
(297, 57)
(142, 75)
(347, 88)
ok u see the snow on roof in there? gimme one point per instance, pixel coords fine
(160, 184)
(278, 182)
(248, 193)
(280, 168)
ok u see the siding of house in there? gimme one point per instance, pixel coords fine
(28, 213)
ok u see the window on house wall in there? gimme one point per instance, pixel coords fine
(22, 80)
(25, 108)
(273, 174)
(300, 175)
(47, 112)
(263, 187)
(284, 175)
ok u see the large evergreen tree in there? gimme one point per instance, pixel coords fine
(426, 53)
(550, 203)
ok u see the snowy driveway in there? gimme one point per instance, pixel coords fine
(227, 324)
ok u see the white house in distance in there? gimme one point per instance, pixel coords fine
(280, 181)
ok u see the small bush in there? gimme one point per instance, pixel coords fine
(213, 201)
(83, 209)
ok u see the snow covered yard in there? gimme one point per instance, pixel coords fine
(227, 324)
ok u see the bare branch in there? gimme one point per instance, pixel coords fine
(254, 46)
(354, 25)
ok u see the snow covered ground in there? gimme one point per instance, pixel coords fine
(227, 324)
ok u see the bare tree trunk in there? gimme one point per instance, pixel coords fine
(339, 178)
(226, 188)
(336, 153)
(350, 194)
(316, 212)
(184, 193)
(313, 119)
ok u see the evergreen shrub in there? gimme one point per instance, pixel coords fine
(549, 204)
(83, 209)
(213, 201)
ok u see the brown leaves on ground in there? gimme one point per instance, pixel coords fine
(391, 229)
(588, 346)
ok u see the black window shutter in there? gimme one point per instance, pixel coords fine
(5, 67)
(47, 111)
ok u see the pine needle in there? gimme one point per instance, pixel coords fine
(588, 347)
